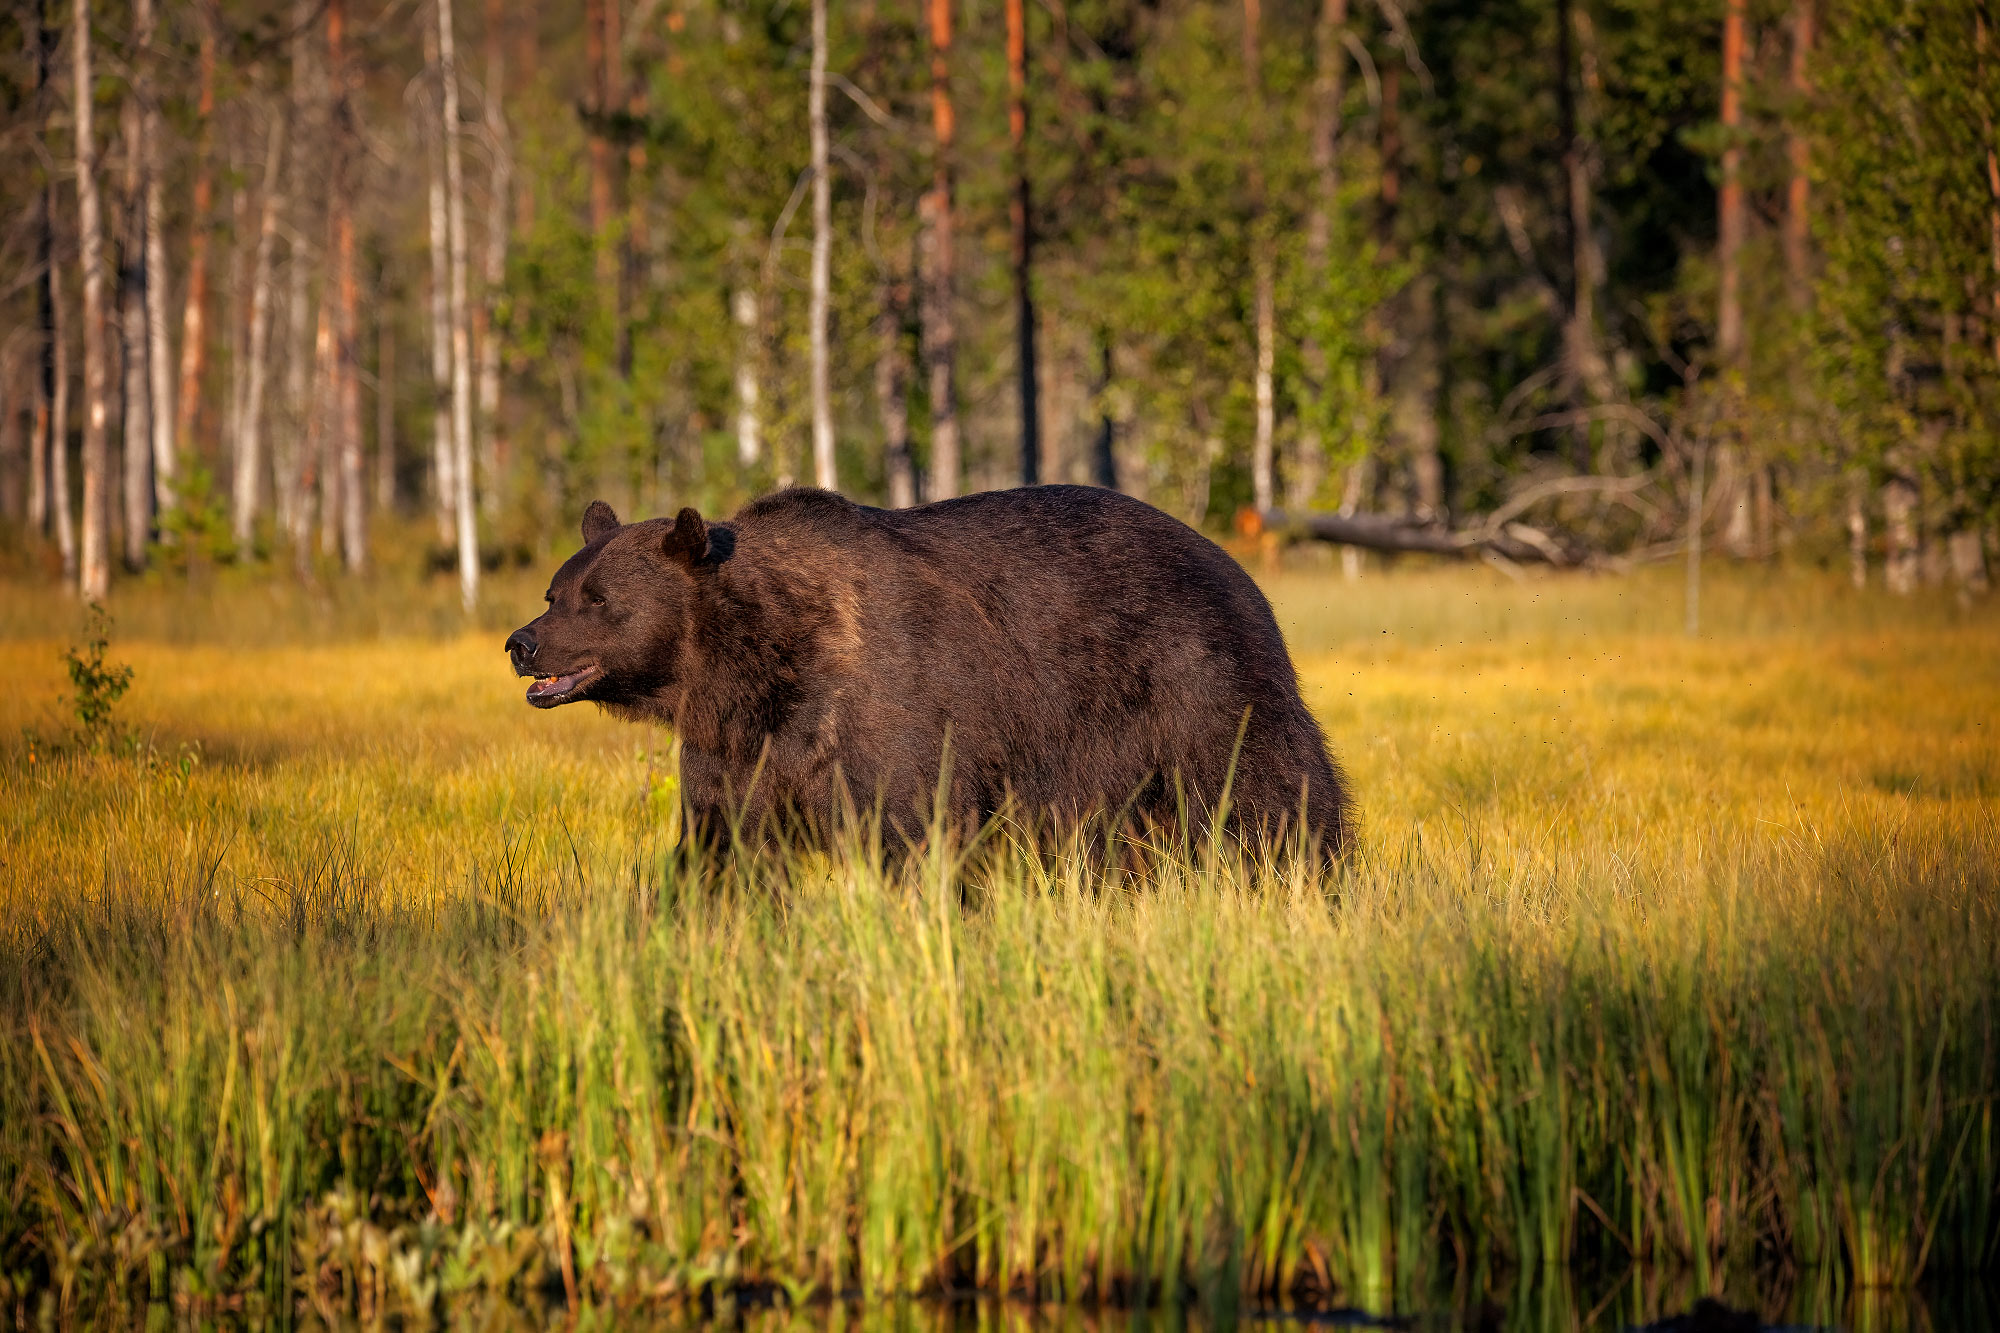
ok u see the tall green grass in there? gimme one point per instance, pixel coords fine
(1017, 1074)
(371, 1028)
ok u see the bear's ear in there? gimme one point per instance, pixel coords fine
(687, 540)
(598, 521)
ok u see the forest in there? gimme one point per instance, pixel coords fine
(341, 285)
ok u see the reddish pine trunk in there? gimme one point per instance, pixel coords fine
(1730, 214)
(940, 329)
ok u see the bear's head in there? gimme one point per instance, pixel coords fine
(617, 611)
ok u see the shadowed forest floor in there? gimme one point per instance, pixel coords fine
(343, 976)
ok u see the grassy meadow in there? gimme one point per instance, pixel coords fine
(341, 978)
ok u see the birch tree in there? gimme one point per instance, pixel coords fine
(159, 353)
(1262, 485)
(822, 258)
(249, 447)
(194, 310)
(346, 370)
(444, 472)
(493, 268)
(461, 350)
(749, 434)
(136, 419)
(295, 462)
(94, 569)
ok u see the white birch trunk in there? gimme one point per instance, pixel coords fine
(461, 338)
(749, 439)
(1262, 485)
(824, 474)
(443, 473)
(159, 354)
(249, 448)
(59, 489)
(1899, 512)
(94, 573)
(136, 419)
(293, 464)
(1857, 532)
(493, 268)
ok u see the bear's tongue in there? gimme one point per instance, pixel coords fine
(554, 687)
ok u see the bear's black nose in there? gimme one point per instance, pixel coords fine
(521, 650)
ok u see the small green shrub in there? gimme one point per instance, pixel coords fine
(98, 685)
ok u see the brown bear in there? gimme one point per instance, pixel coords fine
(1063, 651)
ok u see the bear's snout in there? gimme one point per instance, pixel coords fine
(521, 649)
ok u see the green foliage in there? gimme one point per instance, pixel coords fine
(1907, 345)
(196, 525)
(97, 686)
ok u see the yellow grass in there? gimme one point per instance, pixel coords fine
(1656, 946)
(1564, 707)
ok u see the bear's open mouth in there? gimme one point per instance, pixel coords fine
(548, 691)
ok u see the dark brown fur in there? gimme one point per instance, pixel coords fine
(1077, 650)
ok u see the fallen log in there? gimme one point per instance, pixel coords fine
(1387, 532)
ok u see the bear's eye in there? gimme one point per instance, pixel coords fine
(593, 599)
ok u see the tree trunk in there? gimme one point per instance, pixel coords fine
(597, 58)
(493, 269)
(235, 337)
(444, 481)
(1730, 205)
(1329, 86)
(1697, 503)
(749, 441)
(1104, 449)
(314, 485)
(295, 469)
(136, 417)
(325, 430)
(1353, 486)
(347, 303)
(1899, 511)
(1983, 38)
(1262, 473)
(59, 488)
(249, 443)
(1798, 190)
(385, 401)
(194, 312)
(1857, 532)
(40, 506)
(38, 442)
(94, 578)
(892, 396)
(1414, 402)
(1586, 379)
(1022, 219)
(461, 332)
(824, 469)
(1968, 562)
(159, 355)
(940, 266)
(1733, 484)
